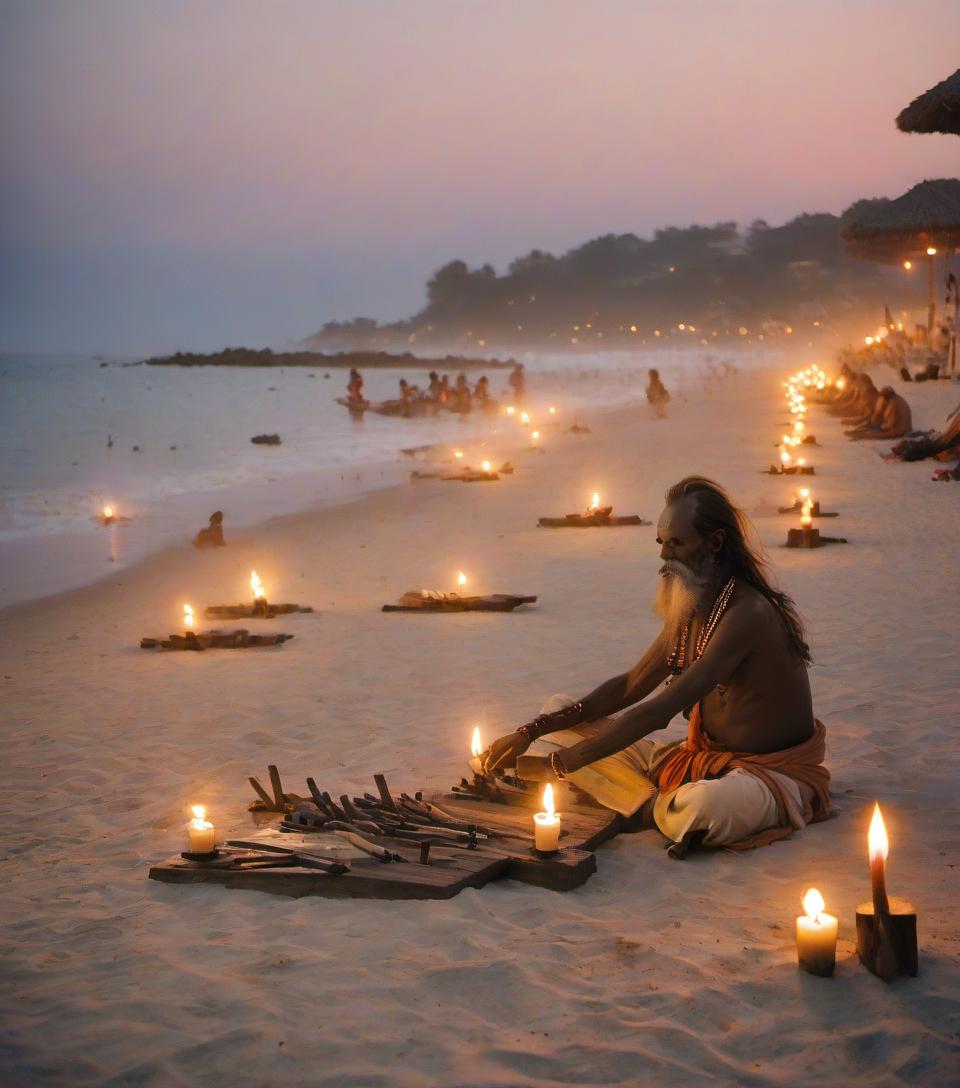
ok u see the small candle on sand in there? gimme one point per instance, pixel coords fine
(487, 467)
(200, 832)
(257, 587)
(806, 520)
(188, 619)
(546, 824)
(595, 501)
(461, 580)
(816, 936)
(476, 748)
(108, 513)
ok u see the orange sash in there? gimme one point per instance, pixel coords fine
(700, 757)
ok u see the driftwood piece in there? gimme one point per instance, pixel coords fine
(261, 793)
(789, 470)
(815, 511)
(452, 602)
(266, 440)
(214, 640)
(384, 790)
(887, 943)
(808, 537)
(265, 611)
(277, 786)
(591, 521)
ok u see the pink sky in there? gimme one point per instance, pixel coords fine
(191, 174)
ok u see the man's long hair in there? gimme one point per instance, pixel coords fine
(713, 510)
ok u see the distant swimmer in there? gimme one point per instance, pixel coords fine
(212, 536)
(518, 381)
(657, 395)
(355, 385)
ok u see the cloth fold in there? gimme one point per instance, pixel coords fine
(699, 757)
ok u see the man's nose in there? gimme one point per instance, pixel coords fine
(664, 551)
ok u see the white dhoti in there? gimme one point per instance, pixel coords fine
(728, 809)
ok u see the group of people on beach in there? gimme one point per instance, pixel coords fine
(884, 414)
(439, 393)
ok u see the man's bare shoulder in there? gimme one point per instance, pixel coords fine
(752, 609)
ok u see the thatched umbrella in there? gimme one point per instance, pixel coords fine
(925, 219)
(937, 110)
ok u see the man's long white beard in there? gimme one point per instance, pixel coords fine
(678, 593)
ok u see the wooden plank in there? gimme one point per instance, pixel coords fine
(584, 828)
(448, 872)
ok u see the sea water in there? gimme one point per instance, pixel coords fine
(167, 445)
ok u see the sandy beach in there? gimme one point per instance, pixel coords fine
(655, 971)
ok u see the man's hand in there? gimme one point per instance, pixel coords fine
(504, 752)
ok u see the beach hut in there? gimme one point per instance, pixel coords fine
(924, 220)
(936, 110)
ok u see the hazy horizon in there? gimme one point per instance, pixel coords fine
(191, 175)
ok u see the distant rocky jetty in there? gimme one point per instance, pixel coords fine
(366, 360)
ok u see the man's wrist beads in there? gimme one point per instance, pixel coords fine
(549, 723)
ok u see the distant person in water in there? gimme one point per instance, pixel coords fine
(212, 536)
(481, 391)
(891, 418)
(461, 393)
(355, 385)
(406, 393)
(434, 385)
(731, 655)
(518, 381)
(443, 393)
(657, 395)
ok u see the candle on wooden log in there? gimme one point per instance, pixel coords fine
(200, 832)
(816, 936)
(546, 824)
(878, 848)
(476, 748)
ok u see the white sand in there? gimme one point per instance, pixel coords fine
(654, 972)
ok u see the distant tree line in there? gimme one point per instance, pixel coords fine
(717, 282)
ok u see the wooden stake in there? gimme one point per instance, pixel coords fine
(277, 786)
(261, 792)
(384, 791)
(887, 942)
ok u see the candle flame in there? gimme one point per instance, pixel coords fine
(548, 800)
(877, 836)
(187, 616)
(256, 587)
(458, 454)
(595, 501)
(552, 410)
(804, 493)
(813, 904)
(461, 579)
(535, 435)
(476, 744)
(785, 457)
(200, 821)
(806, 518)
(840, 383)
(108, 511)
(510, 410)
(486, 466)
(524, 417)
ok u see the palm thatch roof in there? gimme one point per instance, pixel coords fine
(926, 215)
(937, 110)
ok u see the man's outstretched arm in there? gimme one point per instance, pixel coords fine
(728, 649)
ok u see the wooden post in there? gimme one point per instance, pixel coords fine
(887, 942)
(932, 301)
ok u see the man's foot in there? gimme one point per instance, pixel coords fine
(689, 844)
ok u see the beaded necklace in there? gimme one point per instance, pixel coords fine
(677, 660)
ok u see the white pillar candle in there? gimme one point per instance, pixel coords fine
(546, 824)
(816, 936)
(200, 832)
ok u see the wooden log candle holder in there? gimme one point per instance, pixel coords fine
(887, 941)
(213, 640)
(259, 609)
(425, 601)
(599, 518)
(808, 537)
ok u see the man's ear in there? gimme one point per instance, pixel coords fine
(717, 539)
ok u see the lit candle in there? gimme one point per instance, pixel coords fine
(510, 410)
(552, 410)
(200, 831)
(535, 436)
(801, 461)
(595, 501)
(476, 747)
(785, 458)
(256, 587)
(525, 418)
(188, 618)
(806, 520)
(546, 824)
(108, 513)
(486, 466)
(458, 454)
(878, 847)
(461, 580)
(816, 936)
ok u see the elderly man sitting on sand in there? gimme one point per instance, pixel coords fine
(732, 656)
